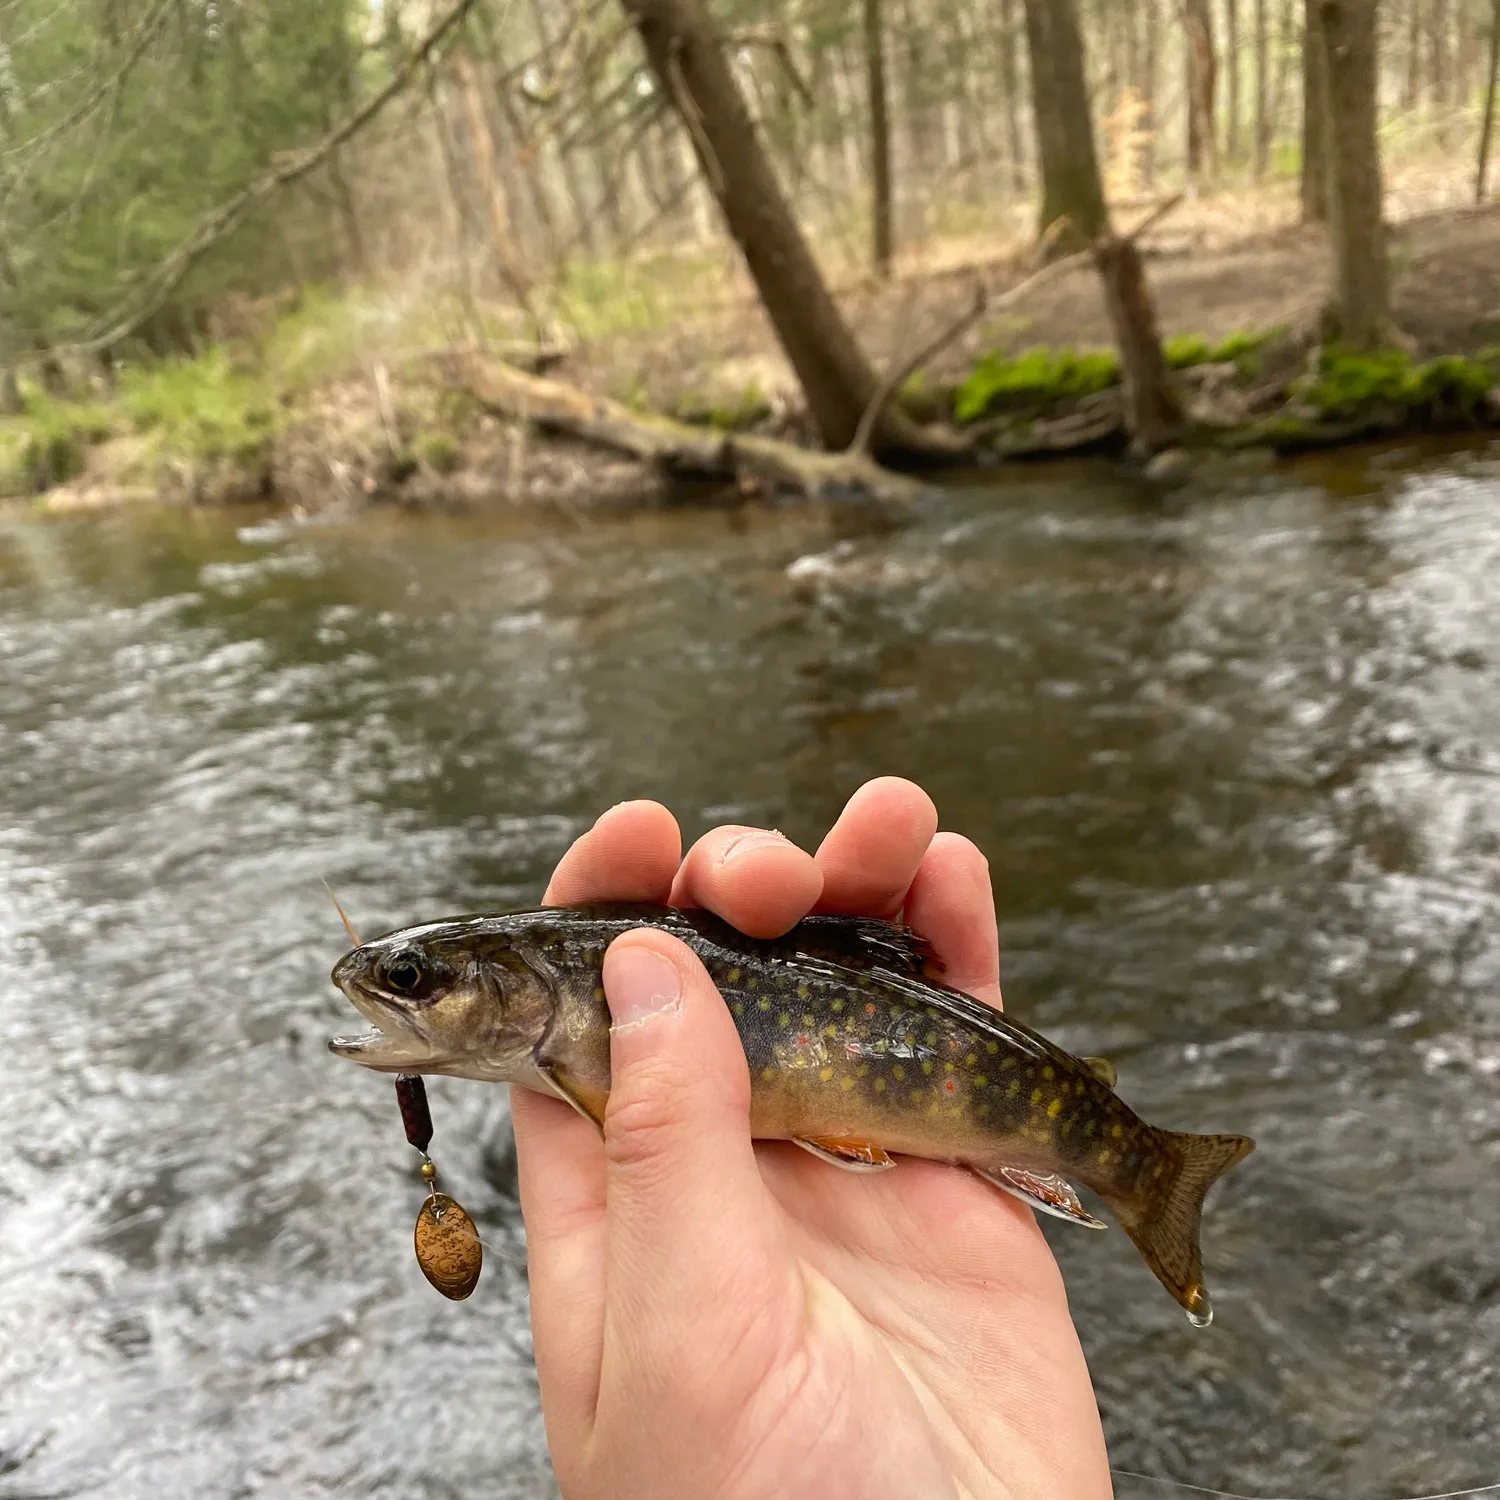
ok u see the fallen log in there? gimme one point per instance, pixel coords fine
(681, 448)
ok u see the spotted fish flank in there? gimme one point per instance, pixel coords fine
(856, 1050)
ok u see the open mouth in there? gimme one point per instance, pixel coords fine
(389, 1046)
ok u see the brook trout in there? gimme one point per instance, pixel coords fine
(856, 1050)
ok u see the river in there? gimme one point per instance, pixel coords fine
(1233, 751)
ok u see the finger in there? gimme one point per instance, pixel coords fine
(871, 854)
(630, 854)
(560, 1169)
(757, 880)
(689, 1218)
(952, 905)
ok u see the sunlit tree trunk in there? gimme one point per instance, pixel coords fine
(1359, 316)
(1071, 188)
(1487, 128)
(1232, 67)
(1010, 88)
(1262, 89)
(880, 140)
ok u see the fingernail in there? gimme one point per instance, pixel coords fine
(640, 985)
(752, 838)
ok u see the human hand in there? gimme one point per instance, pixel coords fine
(716, 1321)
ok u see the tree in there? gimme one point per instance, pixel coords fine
(836, 377)
(1359, 316)
(1071, 186)
(1315, 146)
(1202, 76)
(1486, 130)
(880, 139)
(1064, 130)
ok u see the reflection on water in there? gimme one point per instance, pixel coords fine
(1233, 758)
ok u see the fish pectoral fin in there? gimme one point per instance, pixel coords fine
(1044, 1191)
(570, 1096)
(1102, 1069)
(852, 1156)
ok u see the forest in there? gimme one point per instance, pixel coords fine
(541, 249)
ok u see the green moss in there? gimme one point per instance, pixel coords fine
(1443, 390)
(1186, 349)
(202, 408)
(48, 444)
(1035, 377)
(439, 451)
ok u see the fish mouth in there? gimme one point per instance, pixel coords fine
(391, 1045)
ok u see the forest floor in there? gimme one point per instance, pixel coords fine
(1238, 285)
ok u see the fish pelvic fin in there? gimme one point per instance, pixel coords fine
(1164, 1223)
(1044, 1191)
(852, 1156)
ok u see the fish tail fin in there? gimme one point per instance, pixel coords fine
(1164, 1222)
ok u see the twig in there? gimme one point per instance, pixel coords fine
(687, 106)
(220, 222)
(387, 409)
(898, 376)
(770, 37)
(1154, 218)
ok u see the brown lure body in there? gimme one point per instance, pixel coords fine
(855, 1047)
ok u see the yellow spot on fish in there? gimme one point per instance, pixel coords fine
(931, 1039)
(784, 1019)
(598, 992)
(1054, 1109)
(846, 1083)
(1014, 1089)
(980, 1080)
(733, 976)
(768, 1074)
(1036, 1096)
(1006, 1062)
(1047, 1072)
(830, 1031)
(803, 989)
(896, 1013)
(764, 1004)
(983, 1111)
(898, 1072)
(947, 1067)
(883, 1045)
(752, 983)
(916, 1098)
(927, 1065)
(1117, 1131)
(824, 1074)
(910, 1039)
(880, 1085)
(808, 1018)
(971, 1059)
(1105, 1157)
(862, 1069)
(836, 1006)
(992, 1048)
(738, 1007)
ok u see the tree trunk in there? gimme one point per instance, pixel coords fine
(1202, 76)
(1065, 133)
(1071, 188)
(1437, 30)
(1315, 142)
(1151, 48)
(1010, 86)
(507, 256)
(1359, 316)
(1262, 89)
(1486, 130)
(1232, 65)
(880, 140)
(837, 379)
(1153, 414)
(1411, 90)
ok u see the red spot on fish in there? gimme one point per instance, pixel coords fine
(802, 1040)
(949, 1086)
(870, 1009)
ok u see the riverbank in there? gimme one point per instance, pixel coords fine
(358, 399)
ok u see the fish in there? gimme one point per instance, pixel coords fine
(857, 1051)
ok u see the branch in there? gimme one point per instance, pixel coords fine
(1155, 217)
(218, 224)
(770, 37)
(903, 372)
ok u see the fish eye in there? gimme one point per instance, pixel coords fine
(404, 974)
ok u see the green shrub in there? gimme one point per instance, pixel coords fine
(439, 451)
(1035, 377)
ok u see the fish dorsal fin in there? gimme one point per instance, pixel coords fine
(865, 943)
(1044, 1191)
(1102, 1069)
(852, 1156)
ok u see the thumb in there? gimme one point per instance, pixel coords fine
(685, 1203)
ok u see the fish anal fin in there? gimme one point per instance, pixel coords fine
(1044, 1191)
(573, 1096)
(1102, 1069)
(852, 1156)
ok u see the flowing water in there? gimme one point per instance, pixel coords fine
(1234, 754)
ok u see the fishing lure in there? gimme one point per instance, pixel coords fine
(447, 1244)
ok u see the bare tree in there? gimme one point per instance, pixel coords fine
(880, 139)
(1486, 130)
(1315, 144)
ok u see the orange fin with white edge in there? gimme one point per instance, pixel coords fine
(1044, 1191)
(852, 1156)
